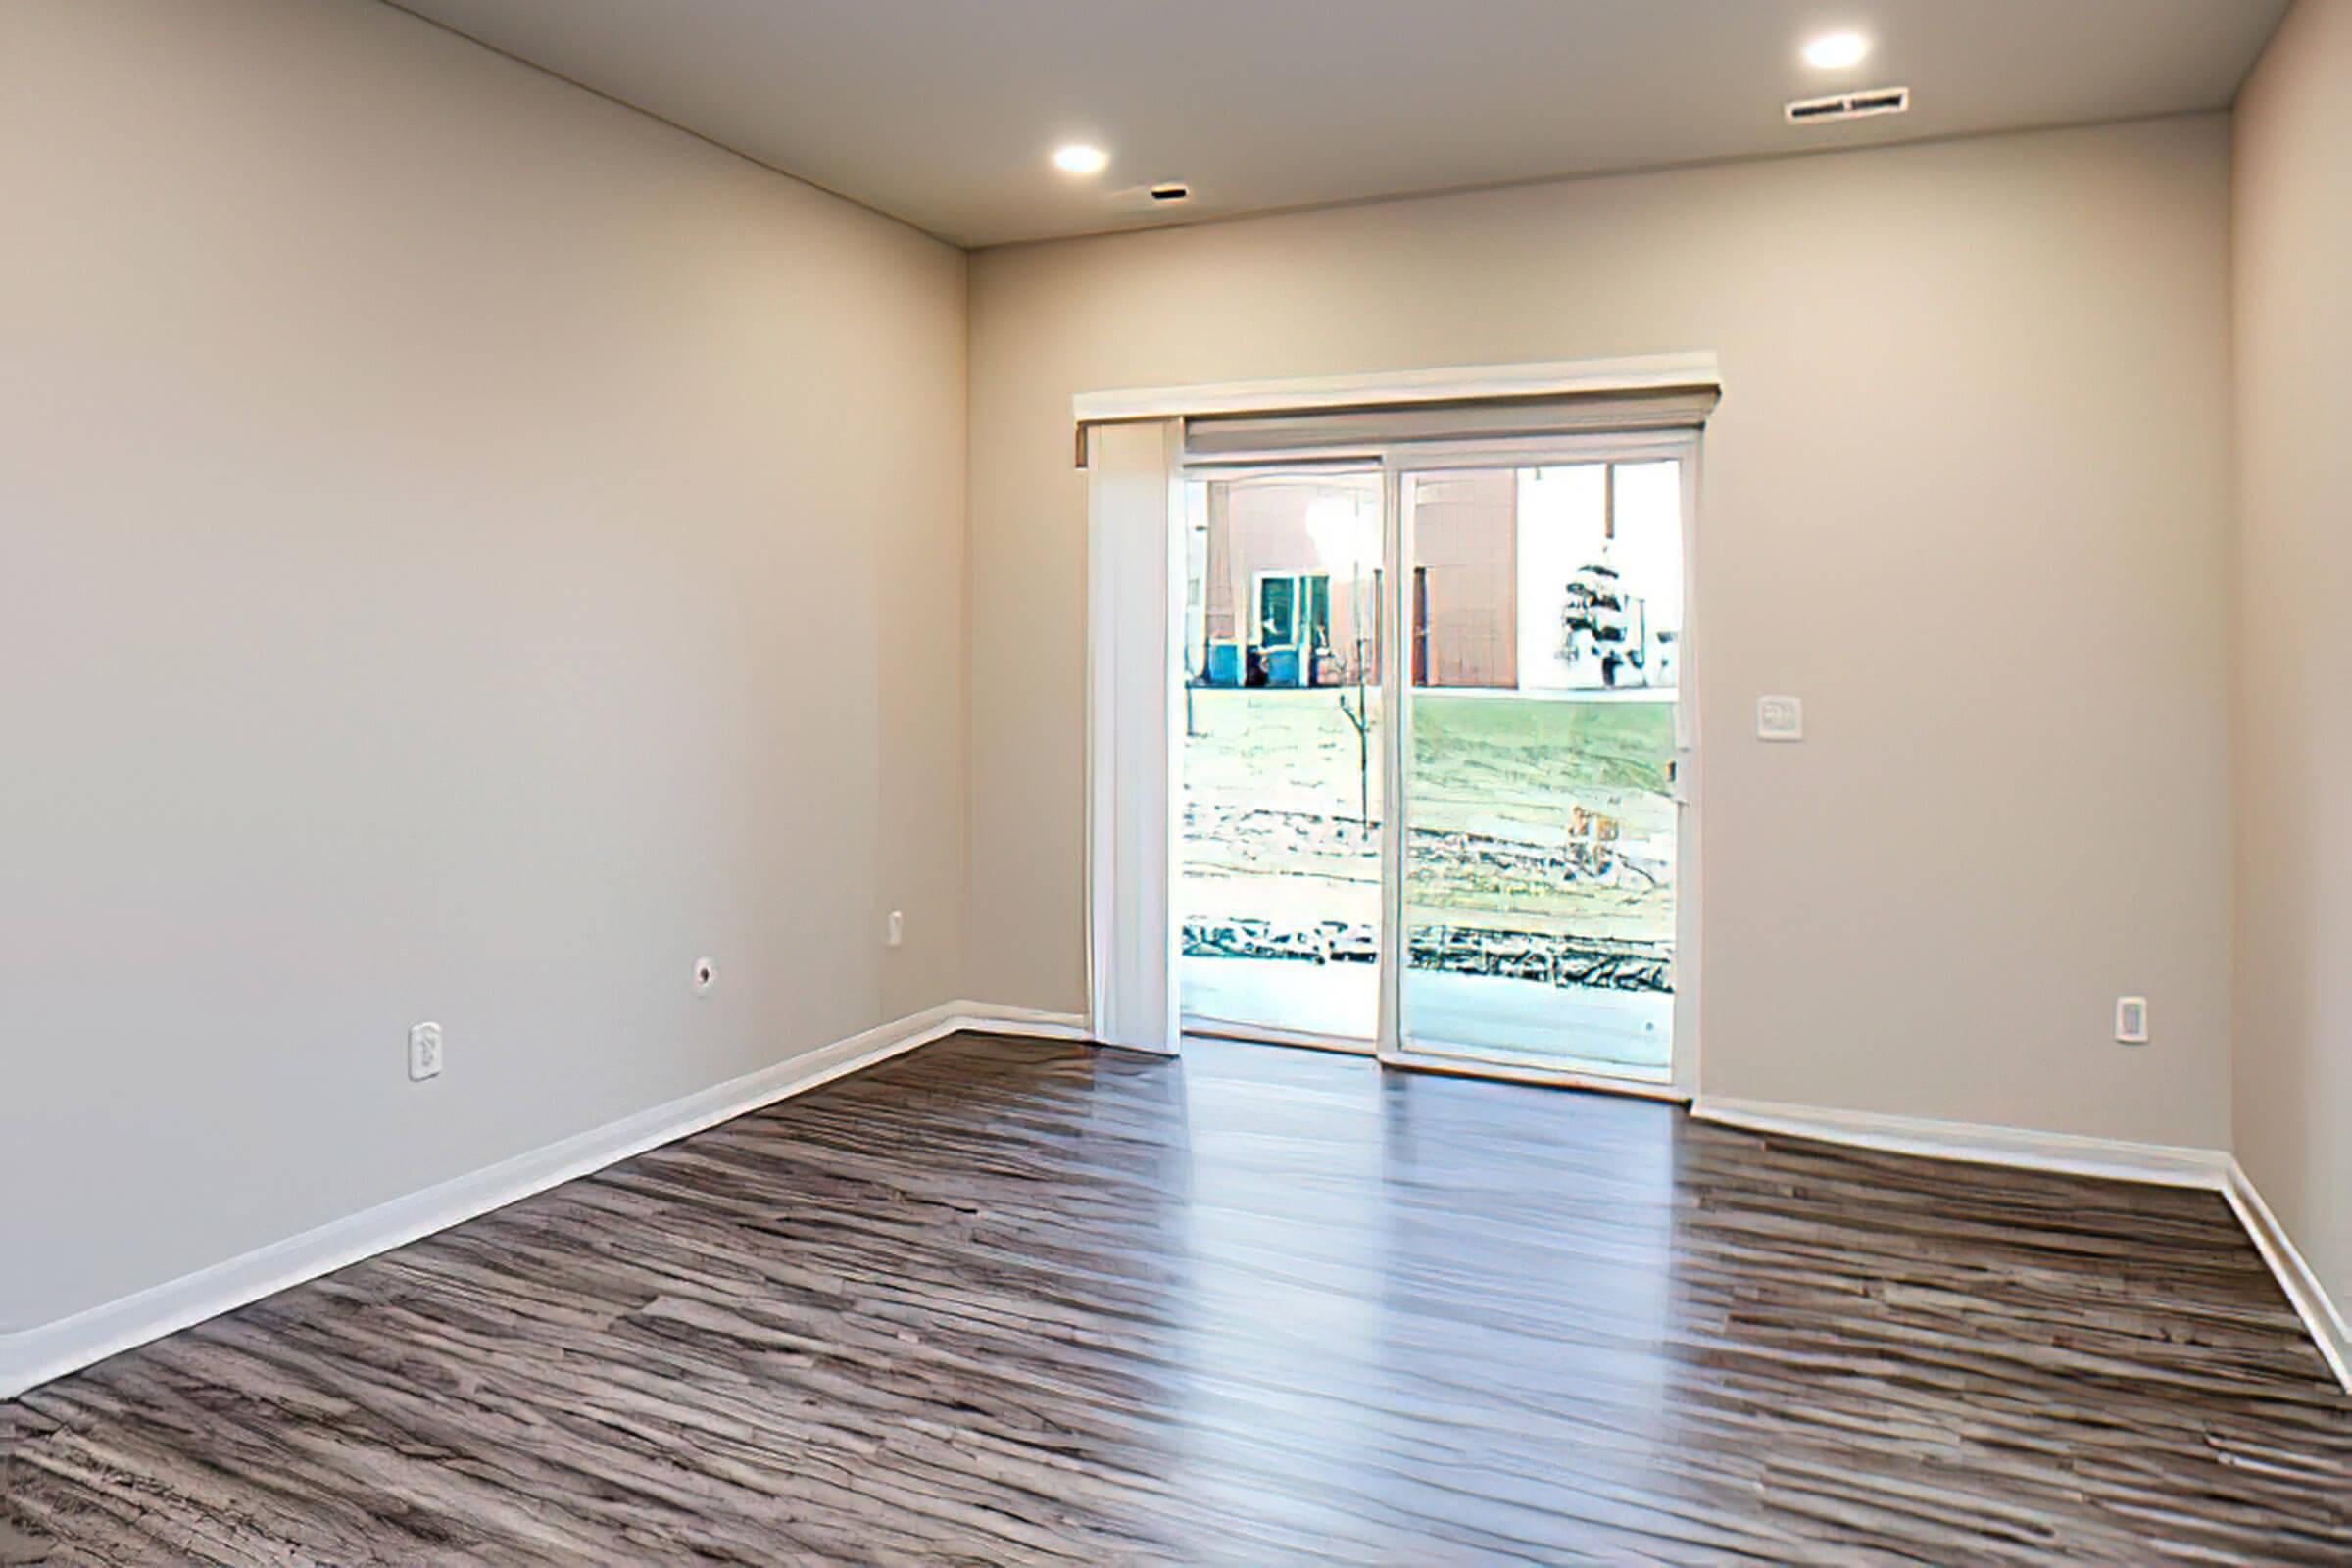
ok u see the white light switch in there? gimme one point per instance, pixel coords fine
(1780, 719)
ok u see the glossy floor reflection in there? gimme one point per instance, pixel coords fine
(1008, 1300)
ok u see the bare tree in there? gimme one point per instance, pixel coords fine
(1360, 714)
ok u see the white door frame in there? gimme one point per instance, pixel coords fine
(1132, 950)
(1687, 447)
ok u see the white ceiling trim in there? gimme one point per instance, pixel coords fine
(1640, 373)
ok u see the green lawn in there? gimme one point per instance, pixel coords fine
(1543, 748)
(1277, 811)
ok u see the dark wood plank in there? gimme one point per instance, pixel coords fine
(1011, 1300)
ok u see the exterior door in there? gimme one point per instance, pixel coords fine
(1278, 883)
(1537, 750)
(1439, 814)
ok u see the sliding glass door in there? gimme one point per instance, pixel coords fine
(1490, 883)
(1540, 824)
(1278, 859)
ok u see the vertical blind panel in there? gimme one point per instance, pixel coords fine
(1135, 607)
(1227, 436)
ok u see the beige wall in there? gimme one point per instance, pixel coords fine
(468, 551)
(2294, 1087)
(1968, 494)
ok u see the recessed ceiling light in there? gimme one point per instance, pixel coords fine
(1079, 159)
(1833, 50)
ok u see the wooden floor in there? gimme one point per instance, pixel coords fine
(1011, 1302)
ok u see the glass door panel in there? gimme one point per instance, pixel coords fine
(1539, 827)
(1278, 883)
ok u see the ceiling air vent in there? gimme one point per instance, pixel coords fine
(1851, 104)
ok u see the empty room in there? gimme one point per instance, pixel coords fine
(1271, 781)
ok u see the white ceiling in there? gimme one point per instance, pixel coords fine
(943, 112)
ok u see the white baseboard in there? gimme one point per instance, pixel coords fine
(2166, 1164)
(33, 1356)
(988, 1018)
(2302, 1284)
(2169, 1165)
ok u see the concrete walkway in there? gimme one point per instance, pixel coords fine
(1523, 1020)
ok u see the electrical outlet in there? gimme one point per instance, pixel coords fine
(895, 932)
(424, 1052)
(706, 976)
(2132, 1020)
